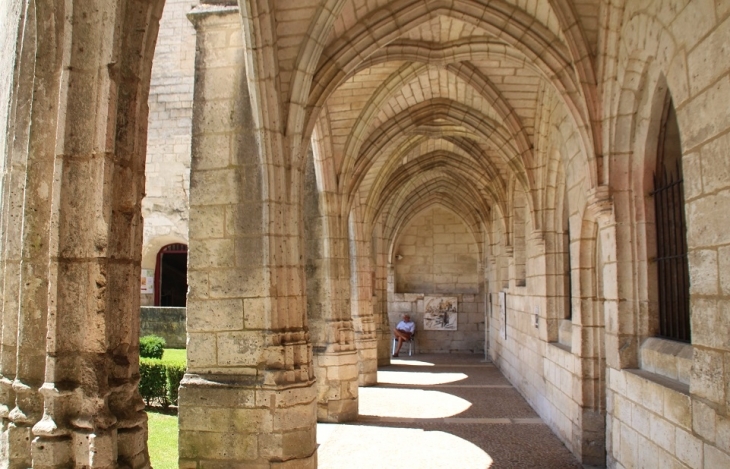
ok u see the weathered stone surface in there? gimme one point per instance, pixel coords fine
(329, 168)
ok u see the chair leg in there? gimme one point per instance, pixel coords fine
(394, 344)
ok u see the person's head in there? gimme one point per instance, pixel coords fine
(407, 318)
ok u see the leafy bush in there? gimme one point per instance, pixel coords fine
(159, 381)
(174, 373)
(153, 380)
(151, 346)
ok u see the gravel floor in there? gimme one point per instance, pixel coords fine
(442, 412)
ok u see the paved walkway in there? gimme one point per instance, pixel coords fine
(442, 412)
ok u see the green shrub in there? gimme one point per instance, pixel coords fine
(151, 346)
(153, 380)
(159, 381)
(174, 373)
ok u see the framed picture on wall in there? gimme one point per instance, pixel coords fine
(440, 313)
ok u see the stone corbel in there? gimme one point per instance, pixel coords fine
(600, 205)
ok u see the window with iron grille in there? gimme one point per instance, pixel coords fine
(671, 232)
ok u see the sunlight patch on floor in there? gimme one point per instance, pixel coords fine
(418, 378)
(341, 446)
(410, 403)
(395, 361)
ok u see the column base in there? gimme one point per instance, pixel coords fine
(337, 383)
(237, 421)
(367, 351)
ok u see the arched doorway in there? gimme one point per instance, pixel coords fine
(171, 273)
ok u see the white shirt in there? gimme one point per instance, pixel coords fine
(406, 326)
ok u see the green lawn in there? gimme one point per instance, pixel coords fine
(176, 355)
(162, 440)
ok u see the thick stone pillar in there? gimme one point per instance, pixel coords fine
(328, 306)
(249, 397)
(362, 291)
(84, 259)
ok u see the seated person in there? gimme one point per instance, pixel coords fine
(404, 331)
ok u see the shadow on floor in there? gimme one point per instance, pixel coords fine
(442, 411)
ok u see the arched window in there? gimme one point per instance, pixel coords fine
(171, 275)
(671, 232)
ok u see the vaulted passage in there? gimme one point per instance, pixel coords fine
(541, 182)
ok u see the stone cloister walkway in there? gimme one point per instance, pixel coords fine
(442, 411)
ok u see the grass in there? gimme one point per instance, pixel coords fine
(174, 355)
(162, 439)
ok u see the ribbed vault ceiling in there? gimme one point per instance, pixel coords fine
(444, 109)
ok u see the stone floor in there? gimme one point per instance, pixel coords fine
(442, 412)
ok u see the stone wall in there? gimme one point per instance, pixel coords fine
(658, 403)
(165, 206)
(469, 336)
(168, 323)
(438, 255)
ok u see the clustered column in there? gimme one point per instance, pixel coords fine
(249, 396)
(72, 195)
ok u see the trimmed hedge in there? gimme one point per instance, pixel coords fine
(159, 381)
(151, 346)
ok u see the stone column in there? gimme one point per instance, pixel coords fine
(92, 161)
(328, 305)
(20, 406)
(384, 288)
(249, 397)
(362, 289)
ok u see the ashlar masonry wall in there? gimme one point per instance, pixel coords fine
(438, 257)
(165, 206)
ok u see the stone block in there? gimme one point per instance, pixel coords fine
(215, 315)
(214, 187)
(724, 267)
(703, 272)
(714, 457)
(211, 151)
(225, 419)
(678, 408)
(202, 350)
(703, 420)
(296, 417)
(241, 348)
(342, 372)
(218, 445)
(722, 428)
(51, 452)
(256, 312)
(715, 164)
(628, 448)
(662, 433)
(707, 375)
(640, 420)
(702, 231)
(689, 449)
(102, 449)
(237, 283)
(132, 441)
